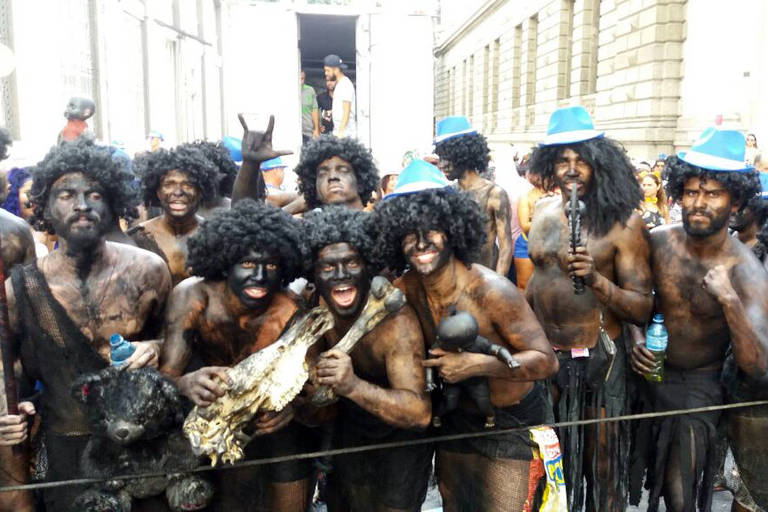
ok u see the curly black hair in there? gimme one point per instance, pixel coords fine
(465, 152)
(448, 209)
(97, 163)
(742, 186)
(347, 148)
(5, 141)
(189, 158)
(219, 155)
(228, 236)
(339, 224)
(613, 193)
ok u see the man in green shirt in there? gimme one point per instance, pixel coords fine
(310, 124)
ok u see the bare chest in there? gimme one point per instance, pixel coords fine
(174, 248)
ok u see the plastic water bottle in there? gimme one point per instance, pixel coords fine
(656, 339)
(119, 349)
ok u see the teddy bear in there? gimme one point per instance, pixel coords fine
(135, 417)
(457, 332)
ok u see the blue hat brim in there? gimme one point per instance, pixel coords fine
(415, 188)
(558, 139)
(441, 138)
(713, 163)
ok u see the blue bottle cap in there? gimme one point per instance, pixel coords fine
(658, 318)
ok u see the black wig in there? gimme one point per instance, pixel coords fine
(613, 193)
(742, 186)
(229, 235)
(97, 163)
(328, 146)
(465, 152)
(5, 141)
(187, 158)
(336, 224)
(219, 155)
(449, 210)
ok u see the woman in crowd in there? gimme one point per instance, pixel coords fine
(653, 209)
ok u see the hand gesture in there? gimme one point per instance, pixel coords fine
(581, 264)
(718, 284)
(334, 369)
(205, 385)
(453, 366)
(257, 146)
(13, 427)
(144, 355)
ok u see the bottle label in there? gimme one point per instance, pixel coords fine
(656, 343)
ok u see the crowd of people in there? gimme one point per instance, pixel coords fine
(218, 263)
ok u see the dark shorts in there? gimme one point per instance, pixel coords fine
(393, 477)
(521, 247)
(516, 445)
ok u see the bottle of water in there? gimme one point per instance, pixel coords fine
(656, 339)
(120, 350)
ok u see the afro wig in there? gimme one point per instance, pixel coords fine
(97, 163)
(5, 141)
(340, 224)
(219, 155)
(328, 146)
(613, 193)
(187, 158)
(447, 209)
(230, 235)
(465, 152)
(742, 186)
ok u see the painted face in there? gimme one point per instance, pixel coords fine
(650, 188)
(706, 207)
(448, 169)
(255, 279)
(342, 278)
(426, 251)
(572, 171)
(336, 181)
(78, 211)
(742, 219)
(179, 196)
(24, 205)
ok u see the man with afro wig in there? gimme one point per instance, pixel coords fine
(180, 181)
(234, 306)
(380, 382)
(713, 294)
(464, 157)
(437, 231)
(64, 307)
(585, 327)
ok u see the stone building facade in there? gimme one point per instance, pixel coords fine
(653, 73)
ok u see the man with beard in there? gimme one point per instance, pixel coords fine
(380, 382)
(335, 171)
(179, 180)
(464, 156)
(713, 294)
(237, 307)
(612, 261)
(344, 109)
(437, 231)
(64, 307)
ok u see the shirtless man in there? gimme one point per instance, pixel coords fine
(179, 180)
(335, 171)
(613, 262)
(748, 222)
(713, 294)
(64, 307)
(438, 233)
(381, 382)
(243, 257)
(464, 156)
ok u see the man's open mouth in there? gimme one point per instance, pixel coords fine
(344, 295)
(255, 292)
(425, 258)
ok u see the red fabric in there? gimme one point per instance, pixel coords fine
(74, 129)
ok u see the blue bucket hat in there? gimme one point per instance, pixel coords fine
(234, 146)
(568, 125)
(718, 150)
(452, 126)
(275, 163)
(418, 176)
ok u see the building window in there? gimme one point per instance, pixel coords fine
(517, 65)
(594, 45)
(464, 87)
(495, 83)
(530, 61)
(471, 91)
(486, 84)
(566, 46)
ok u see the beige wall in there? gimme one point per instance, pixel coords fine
(653, 73)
